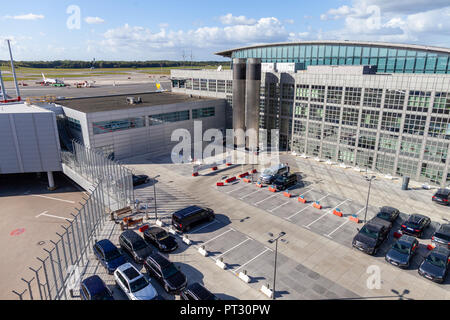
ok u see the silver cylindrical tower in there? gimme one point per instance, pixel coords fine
(239, 72)
(253, 88)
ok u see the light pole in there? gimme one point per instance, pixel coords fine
(276, 253)
(154, 195)
(368, 195)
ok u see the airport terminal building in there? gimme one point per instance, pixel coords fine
(373, 105)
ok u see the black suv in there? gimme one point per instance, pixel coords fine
(185, 219)
(416, 225)
(285, 181)
(442, 196)
(196, 291)
(402, 251)
(386, 217)
(160, 239)
(140, 179)
(134, 245)
(435, 266)
(442, 236)
(370, 238)
(165, 272)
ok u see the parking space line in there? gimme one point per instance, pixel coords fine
(360, 211)
(267, 249)
(326, 213)
(52, 216)
(265, 199)
(217, 236)
(206, 225)
(249, 194)
(329, 235)
(235, 190)
(233, 248)
(288, 218)
(279, 206)
(51, 198)
(307, 192)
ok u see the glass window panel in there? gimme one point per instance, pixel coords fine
(321, 52)
(366, 52)
(349, 61)
(350, 51)
(365, 61)
(383, 52)
(410, 63)
(314, 52)
(357, 52)
(401, 53)
(442, 63)
(373, 61)
(374, 52)
(431, 64)
(392, 52)
(400, 64)
(412, 53)
(335, 51)
(308, 51)
(328, 51)
(334, 61)
(302, 51)
(279, 52)
(296, 51)
(356, 61)
(420, 63)
(342, 50)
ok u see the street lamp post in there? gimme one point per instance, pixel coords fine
(154, 195)
(276, 254)
(368, 195)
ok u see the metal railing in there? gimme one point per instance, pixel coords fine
(61, 267)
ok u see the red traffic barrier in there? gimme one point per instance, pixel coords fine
(430, 247)
(214, 168)
(195, 174)
(317, 205)
(254, 171)
(397, 234)
(243, 175)
(247, 180)
(338, 213)
(229, 164)
(354, 219)
(230, 180)
(287, 195)
(220, 184)
(302, 200)
(271, 189)
(259, 185)
(143, 228)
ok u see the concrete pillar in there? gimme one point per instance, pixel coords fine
(252, 100)
(239, 74)
(51, 181)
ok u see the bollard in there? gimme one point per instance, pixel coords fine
(195, 174)
(214, 168)
(397, 234)
(220, 263)
(247, 180)
(338, 212)
(302, 199)
(220, 184)
(317, 205)
(259, 185)
(354, 219)
(203, 251)
(244, 277)
(272, 189)
(266, 290)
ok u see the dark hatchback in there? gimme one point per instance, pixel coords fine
(441, 196)
(161, 239)
(184, 219)
(140, 179)
(108, 255)
(285, 181)
(386, 216)
(442, 236)
(435, 266)
(370, 238)
(196, 291)
(135, 246)
(415, 225)
(93, 288)
(402, 251)
(165, 272)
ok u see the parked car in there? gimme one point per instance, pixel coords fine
(285, 181)
(435, 266)
(165, 272)
(442, 236)
(415, 225)
(185, 219)
(133, 283)
(140, 179)
(134, 245)
(161, 239)
(386, 217)
(402, 251)
(441, 196)
(108, 255)
(196, 291)
(268, 175)
(370, 238)
(93, 288)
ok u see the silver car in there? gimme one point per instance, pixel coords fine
(133, 283)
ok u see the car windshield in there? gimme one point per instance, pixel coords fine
(111, 255)
(384, 215)
(436, 261)
(139, 284)
(169, 271)
(138, 245)
(369, 233)
(268, 172)
(400, 247)
(104, 295)
(161, 235)
(442, 236)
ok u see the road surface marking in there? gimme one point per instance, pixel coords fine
(267, 249)
(326, 213)
(203, 227)
(233, 248)
(235, 189)
(249, 194)
(51, 198)
(329, 235)
(52, 216)
(265, 199)
(279, 206)
(217, 236)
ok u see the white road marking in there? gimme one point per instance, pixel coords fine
(235, 189)
(267, 249)
(329, 235)
(360, 211)
(249, 195)
(326, 213)
(217, 236)
(265, 199)
(233, 248)
(51, 198)
(279, 206)
(52, 216)
(206, 225)
(288, 218)
(307, 192)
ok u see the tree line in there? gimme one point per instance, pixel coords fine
(70, 64)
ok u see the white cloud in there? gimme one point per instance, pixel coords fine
(94, 20)
(163, 25)
(229, 19)
(29, 16)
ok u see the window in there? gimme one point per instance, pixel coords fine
(288, 91)
(388, 143)
(301, 110)
(394, 99)
(442, 103)
(439, 128)
(372, 97)
(352, 96)
(195, 84)
(302, 92)
(229, 86)
(212, 85)
(436, 151)
(203, 84)
(391, 121)
(220, 85)
(332, 114)
(407, 167)
(286, 109)
(318, 93)
(334, 95)
(350, 117)
(316, 112)
(203, 113)
(414, 124)
(74, 124)
(410, 147)
(330, 133)
(348, 136)
(315, 130)
(163, 118)
(299, 127)
(369, 119)
(328, 151)
(367, 140)
(118, 125)
(419, 101)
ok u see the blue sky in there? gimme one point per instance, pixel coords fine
(150, 30)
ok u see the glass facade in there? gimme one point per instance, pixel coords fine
(387, 60)
(118, 125)
(158, 119)
(203, 113)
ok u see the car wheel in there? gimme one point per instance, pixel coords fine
(187, 228)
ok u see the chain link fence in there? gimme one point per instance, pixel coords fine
(60, 268)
